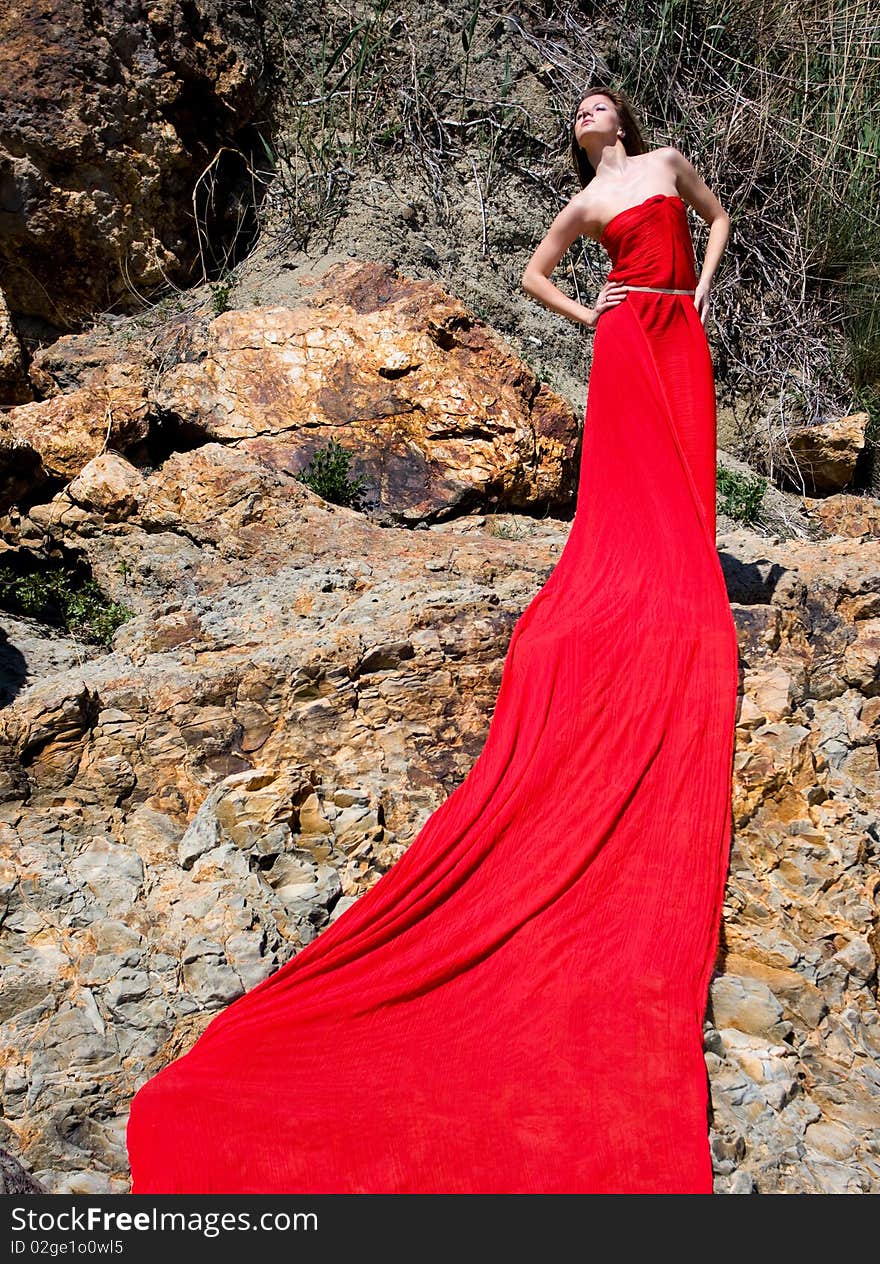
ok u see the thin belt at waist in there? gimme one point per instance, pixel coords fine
(652, 289)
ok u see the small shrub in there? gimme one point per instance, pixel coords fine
(56, 596)
(220, 296)
(740, 495)
(327, 475)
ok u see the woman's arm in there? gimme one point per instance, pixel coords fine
(697, 194)
(566, 228)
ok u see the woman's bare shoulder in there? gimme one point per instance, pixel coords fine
(673, 159)
(600, 199)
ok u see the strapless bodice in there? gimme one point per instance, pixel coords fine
(650, 244)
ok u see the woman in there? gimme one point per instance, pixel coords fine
(616, 172)
(516, 1006)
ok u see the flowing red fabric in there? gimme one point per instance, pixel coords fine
(517, 1005)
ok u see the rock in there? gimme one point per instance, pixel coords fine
(826, 454)
(212, 983)
(748, 1005)
(88, 1183)
(742, 1183)
(846, 514)
(765, 1063)
(108, 485)
(861, 661)
(830, 1139)
(773, 692)
(857, 957)
(56, 438)
(800, 999)
(438, 409)
(98, 360)
(100, 152)
(114, 873)
(127, 985)
(246, 954)
(14, 388)
(14, 1180)
(30, 653)
(202, 835)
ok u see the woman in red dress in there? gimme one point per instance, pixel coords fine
(517, 1005)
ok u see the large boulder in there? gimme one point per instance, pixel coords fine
(826, 454)
(437, 411)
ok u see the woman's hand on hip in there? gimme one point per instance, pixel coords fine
(611, 293)
(701, 300)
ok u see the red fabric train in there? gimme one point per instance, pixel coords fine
(517, 1005)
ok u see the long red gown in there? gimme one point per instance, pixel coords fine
(517, 1005)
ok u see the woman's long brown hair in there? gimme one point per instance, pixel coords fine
(633, 141)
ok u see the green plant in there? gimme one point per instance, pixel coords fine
(740, 495)
(57, 596)
(327, 475)
(220, 296)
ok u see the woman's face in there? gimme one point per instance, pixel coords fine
(596, 114)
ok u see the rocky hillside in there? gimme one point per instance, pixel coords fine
(126, 138)
(229, 702)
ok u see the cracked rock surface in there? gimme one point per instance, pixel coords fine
(298, 688)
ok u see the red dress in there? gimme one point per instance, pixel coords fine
(517, 1005)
